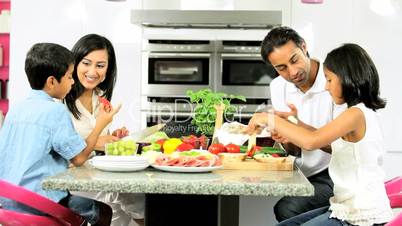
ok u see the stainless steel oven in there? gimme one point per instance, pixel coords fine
(171, 67)
(242, 70)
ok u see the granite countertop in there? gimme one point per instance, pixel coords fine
(219, 182)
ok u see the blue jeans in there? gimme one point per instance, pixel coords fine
(94, 212)
(317, 217)
(288, 207)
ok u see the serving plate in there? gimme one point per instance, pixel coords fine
(118, 167)
(184, 169)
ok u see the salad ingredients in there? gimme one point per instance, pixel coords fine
(160, 142)
(184, 147)
(152, 147)
(156, 136)
(170, 145)
(216, 148)
(232, 148)
(189, 159)
(253, 150)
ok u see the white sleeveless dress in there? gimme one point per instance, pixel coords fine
(355, 168)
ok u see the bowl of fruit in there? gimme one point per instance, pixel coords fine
(121, 147)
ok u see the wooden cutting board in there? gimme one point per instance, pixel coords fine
(281, 163)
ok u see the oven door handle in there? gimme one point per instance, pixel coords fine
(241, 56)
(163, 113)
(187, 55)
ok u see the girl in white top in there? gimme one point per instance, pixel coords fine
(95, 70)
(356, 141)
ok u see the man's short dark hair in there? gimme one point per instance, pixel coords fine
(278, 37)
(44, 60)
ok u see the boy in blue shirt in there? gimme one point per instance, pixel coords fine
(38, 139)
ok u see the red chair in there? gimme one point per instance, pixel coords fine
(394, 189)
(58, 215)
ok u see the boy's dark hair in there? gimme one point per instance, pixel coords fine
(358, 75)
(278, 37)
(83, 47)
(44, 60)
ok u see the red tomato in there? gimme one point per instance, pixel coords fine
(253, 150)
(232, 148)
(184, 147)
(191, 140)
(216, 148)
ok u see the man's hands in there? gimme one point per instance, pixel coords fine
(264, 119)
(292, 113)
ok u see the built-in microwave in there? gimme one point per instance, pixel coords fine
(170, 67)
(242, 70)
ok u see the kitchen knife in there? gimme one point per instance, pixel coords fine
(218, 122)
(141, 135)
(252, 141)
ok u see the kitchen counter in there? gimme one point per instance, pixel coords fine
(214, 194)
(219, 182)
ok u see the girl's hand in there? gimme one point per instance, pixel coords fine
(120, 133)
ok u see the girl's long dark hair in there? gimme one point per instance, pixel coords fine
(82, 48)
(358, 75)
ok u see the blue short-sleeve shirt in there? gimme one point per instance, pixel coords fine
(37, 140)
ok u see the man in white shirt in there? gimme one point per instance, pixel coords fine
(300, 89)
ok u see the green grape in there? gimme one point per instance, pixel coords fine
(114, 145)
(121, 148)
(109, 147)
(129, 143)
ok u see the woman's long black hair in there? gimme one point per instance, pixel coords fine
(82, 48)
(358, 75)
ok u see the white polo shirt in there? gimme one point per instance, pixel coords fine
(315, 108)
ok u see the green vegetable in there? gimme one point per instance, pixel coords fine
(205, 112)
(189, 153)
(265, 150)
(152, 147)
(156, 136)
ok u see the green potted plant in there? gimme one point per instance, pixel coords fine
(205, 113)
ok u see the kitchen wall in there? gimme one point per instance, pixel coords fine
(324, 27)
(64, 22)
